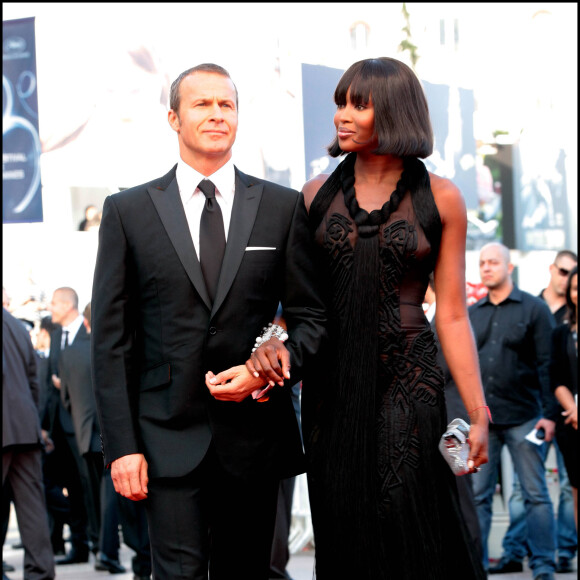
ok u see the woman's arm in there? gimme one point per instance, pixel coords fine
(271, 361)
(451, 318)
(566, 399)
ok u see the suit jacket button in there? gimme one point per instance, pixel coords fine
(213, 330)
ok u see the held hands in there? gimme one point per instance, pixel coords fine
(271, 362)
(233, 384)
(129, 475)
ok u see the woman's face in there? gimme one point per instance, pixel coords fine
(355, 126)
(574, 290)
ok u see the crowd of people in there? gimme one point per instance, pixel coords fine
(160, 410)
(75, 489)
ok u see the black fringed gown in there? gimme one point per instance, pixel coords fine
(383, 501)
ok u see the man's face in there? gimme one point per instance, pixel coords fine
(559, 271)
(42, 339)
(5, 299)
(207, 120)
(494, 269)
(59, 308)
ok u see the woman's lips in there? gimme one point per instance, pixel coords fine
(342, 133)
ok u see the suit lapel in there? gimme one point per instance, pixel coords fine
(81, 333)
(246, 202)
(170, 210)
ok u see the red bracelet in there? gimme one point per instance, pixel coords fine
(482, 407)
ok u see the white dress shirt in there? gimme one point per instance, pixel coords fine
(72, 329)
(430, 312)
(193, 198)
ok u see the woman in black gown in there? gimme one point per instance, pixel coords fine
(564, 381)
(384, 502)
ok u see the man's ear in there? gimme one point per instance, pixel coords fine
(174, 121)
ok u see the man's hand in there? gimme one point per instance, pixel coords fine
(56, 381)
(271, 362)
(234, 384)
(129, 474)
(549, 428)
(47, 441)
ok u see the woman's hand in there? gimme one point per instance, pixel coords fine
(571, 417)
(270, 362)
(478, 440)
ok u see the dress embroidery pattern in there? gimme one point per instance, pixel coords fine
(374, 411)
(408, 374)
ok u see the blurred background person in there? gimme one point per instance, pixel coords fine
(5, 299)
(515, 545)
(76, 392)
(57, 503)
(554, 295)
(70, 469)
(512, 330)
(91, 216)
(21, 447)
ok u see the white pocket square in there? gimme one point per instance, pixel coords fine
(254, 248)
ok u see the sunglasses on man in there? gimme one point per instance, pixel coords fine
(562, 271)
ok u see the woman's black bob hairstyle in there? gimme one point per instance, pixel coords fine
(402, 121)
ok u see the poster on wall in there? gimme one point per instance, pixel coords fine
(318, 84)
(21, 186)
(541, 204)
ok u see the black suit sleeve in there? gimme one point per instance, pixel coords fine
(112, 337)
(304, 310)
(542, 333)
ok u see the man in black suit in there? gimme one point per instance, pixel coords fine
(67, 462)
(77, 397)
(57, 504)
(21, 446)
(206, 462)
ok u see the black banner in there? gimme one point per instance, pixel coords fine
(21, 187)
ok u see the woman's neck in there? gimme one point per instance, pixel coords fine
(374, 169)
(376, 177)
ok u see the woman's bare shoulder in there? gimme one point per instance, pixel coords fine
(312, 186)
(443, 187)
(447, 195)
(445, 192)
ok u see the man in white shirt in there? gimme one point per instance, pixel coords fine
(58, 422)
(190, 268)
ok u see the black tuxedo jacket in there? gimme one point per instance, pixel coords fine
(155, 332)
(76, 392)
(55, 409)
(20, 392)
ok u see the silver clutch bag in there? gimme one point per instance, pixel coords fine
(454, 446)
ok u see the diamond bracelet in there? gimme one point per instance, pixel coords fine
(268, 332)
